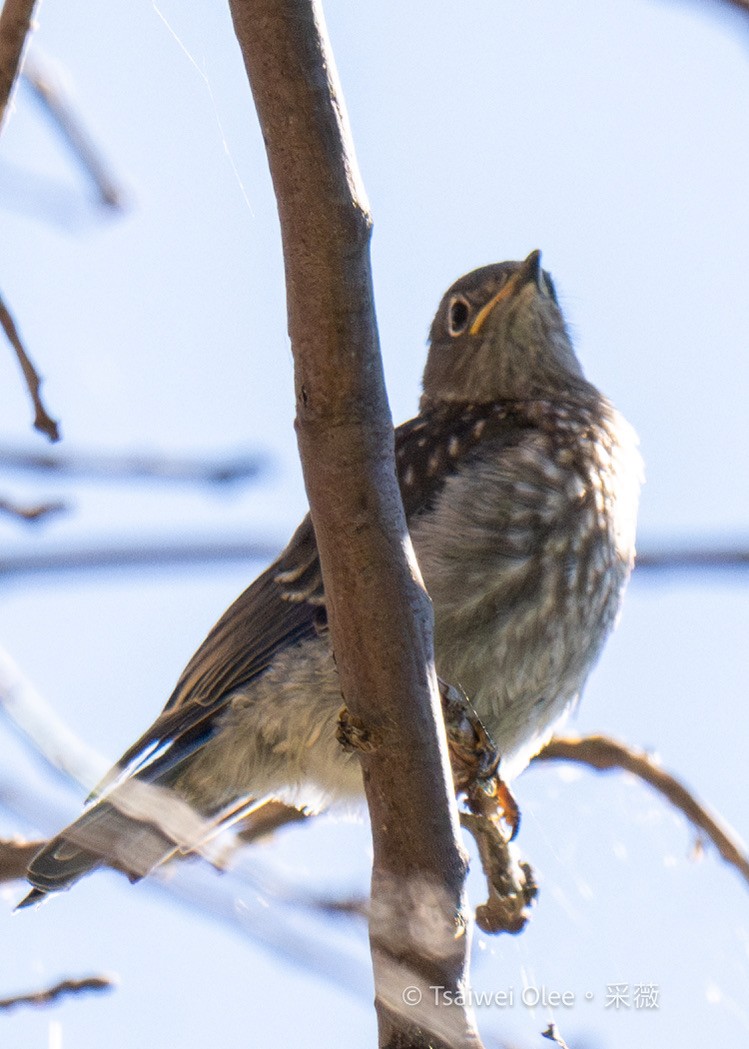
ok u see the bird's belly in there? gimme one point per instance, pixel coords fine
(523, 654)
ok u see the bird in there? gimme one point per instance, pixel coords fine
(520, 483)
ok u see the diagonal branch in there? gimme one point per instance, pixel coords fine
(50, 995)
(42, 420)
(15, 27)
(606, 754)
(69, 125)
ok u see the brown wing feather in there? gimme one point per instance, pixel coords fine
(286, 604)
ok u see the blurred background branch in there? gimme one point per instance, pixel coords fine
(167, 553)
(605, 754)
(89, 157)
(115, 467)
(15, 857)
(31, 512)
(50, 995)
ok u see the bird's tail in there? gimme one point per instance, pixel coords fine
(133, 829)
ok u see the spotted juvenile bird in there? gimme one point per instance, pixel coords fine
(520, 484)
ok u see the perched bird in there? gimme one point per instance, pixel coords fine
(520, 483)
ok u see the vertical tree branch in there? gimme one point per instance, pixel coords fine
(379, 614)
(15, 27)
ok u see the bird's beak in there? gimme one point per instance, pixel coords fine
(529, 272)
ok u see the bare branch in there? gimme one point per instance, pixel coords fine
(15, 28)
(42, 420)
(554, 1036)
(691, 558)
(84, 150)
(31, 512)
(15, 857)
(604, 754)
(212, 551)
(100, 466)
(50, 995)
(144, 555)
(50, 737)
(379, 613)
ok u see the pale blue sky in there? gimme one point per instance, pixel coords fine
(607, 133)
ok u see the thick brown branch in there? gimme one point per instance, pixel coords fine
(604, 754)
(380, 616)
(15, 26)
(42, 420)
(49, 995)
(15, 857)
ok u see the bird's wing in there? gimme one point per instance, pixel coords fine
(282, 607)
(286, 604)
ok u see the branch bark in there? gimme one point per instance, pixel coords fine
(15, 856)
(379, 614)
(606, 754)
(15, 27)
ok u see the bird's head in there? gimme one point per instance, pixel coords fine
(499, 334)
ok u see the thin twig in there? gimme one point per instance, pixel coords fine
(31, 512)
(49, 995)
(144, 555)
(42, 420)
(16, 20)
(604, 754)
(69, 124)
(221, 550)
(50, 737)
(692, 559)
(554, 1036)
(15, 857)
(136, 466)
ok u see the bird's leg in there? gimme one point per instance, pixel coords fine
(475, 761)
(493, 818)
(512, 887)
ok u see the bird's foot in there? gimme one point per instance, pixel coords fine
(352, 733)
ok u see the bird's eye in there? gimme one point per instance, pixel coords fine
(458, 315)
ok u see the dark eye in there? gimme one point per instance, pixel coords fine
(458, 314)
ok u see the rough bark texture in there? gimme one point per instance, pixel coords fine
(379, 614)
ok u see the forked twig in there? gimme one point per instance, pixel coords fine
(42, 420)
